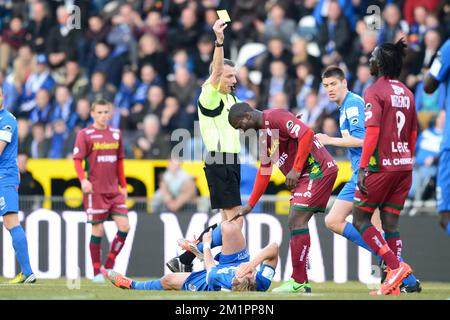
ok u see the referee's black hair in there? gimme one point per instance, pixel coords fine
(390, 58)
(238, 110)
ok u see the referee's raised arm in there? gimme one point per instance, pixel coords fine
(222, 168)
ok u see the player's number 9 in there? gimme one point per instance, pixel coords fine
(401, 119)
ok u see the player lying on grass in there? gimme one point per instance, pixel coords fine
(234, 272)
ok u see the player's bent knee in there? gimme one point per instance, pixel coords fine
(168, 281)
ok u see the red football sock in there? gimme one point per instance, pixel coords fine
(300, 243)
(376, 242)
(95, 248)
(395, 243)
(116, 246)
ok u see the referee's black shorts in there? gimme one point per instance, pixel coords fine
(223, 174)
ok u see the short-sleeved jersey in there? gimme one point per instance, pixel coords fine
(279, 142)
(351, 121)
(9, 171)
(440, 69)
(390, 106)
(213, 108)
(101, 149)
(220, 278)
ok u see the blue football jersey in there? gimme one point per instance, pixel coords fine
(440, 69)
(9, 172)
(351, 120)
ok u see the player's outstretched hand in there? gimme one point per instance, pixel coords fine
(292, 179)
(323, 138)
(242, 212)
(362, 181)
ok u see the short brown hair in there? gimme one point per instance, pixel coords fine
(101, 102)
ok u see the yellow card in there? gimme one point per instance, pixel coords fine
(223, 15)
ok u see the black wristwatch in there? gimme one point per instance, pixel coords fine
(217, 44)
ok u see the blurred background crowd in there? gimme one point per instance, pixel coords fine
(150, 58)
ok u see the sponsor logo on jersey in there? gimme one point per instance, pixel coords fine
(116, 136)
(97, 136)
(7, 128)
(76, 150)
(281, 160)
(289, 124)
(397, 89)
(105, 146)
(273, 147)
(112, 158)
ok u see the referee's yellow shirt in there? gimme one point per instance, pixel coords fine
(213, 108)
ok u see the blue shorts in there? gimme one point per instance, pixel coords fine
(348, 191)
(233, 259)
(195, 282)
(443, 182)
(9, 199)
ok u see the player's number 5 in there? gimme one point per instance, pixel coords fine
(401, 119)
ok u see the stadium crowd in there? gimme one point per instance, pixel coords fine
(150, 58)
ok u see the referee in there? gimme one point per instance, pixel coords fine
(222, 168)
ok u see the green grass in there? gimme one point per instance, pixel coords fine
(58, 289)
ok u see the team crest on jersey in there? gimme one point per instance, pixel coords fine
(116, 136)
(7, 128)
(368, 106)
(289, 124)
(354, 121)
(397, 89)
(76, 150)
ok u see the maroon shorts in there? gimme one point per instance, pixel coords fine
(312, 195)
(387, 191)
(102, 206)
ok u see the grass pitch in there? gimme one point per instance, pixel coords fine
(61, 289)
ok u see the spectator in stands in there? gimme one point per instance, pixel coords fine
(418, 28)
(202, 56)
(97, 32)
(312, 110)
(123, 100)
(279, 81)
(363, 80)
(392, 23)
(43, 110)
(305, 82)
(23, 132)
(155, 101)
(427, 156)
(321, 11)
(329, 126)
(10, 93)
(39, 146)
(245, 89)
(149, 77)
(184, 87)
(40, 79)
(23, 66)
(243, 17)
(62, 41)
(177, 190)
(38, 27)
(171, 116)
(428, 104)
(301, 55)
(99, 89)
(186, 33)
(334, 36)
(181, 59)
(59, 148)
(75, 79)
(276, 25)
(279, 100)
(111, 65)
(155, 26)
(29, 186)
(409, 6)
(150, 53)
(150, 144)
(64, 105)
(81, 118)
(275, 51)
(11, 40)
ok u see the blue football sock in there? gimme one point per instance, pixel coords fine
(352, 234)
(448, 228)
(216, 238)
(147, 285)
(20, 244)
